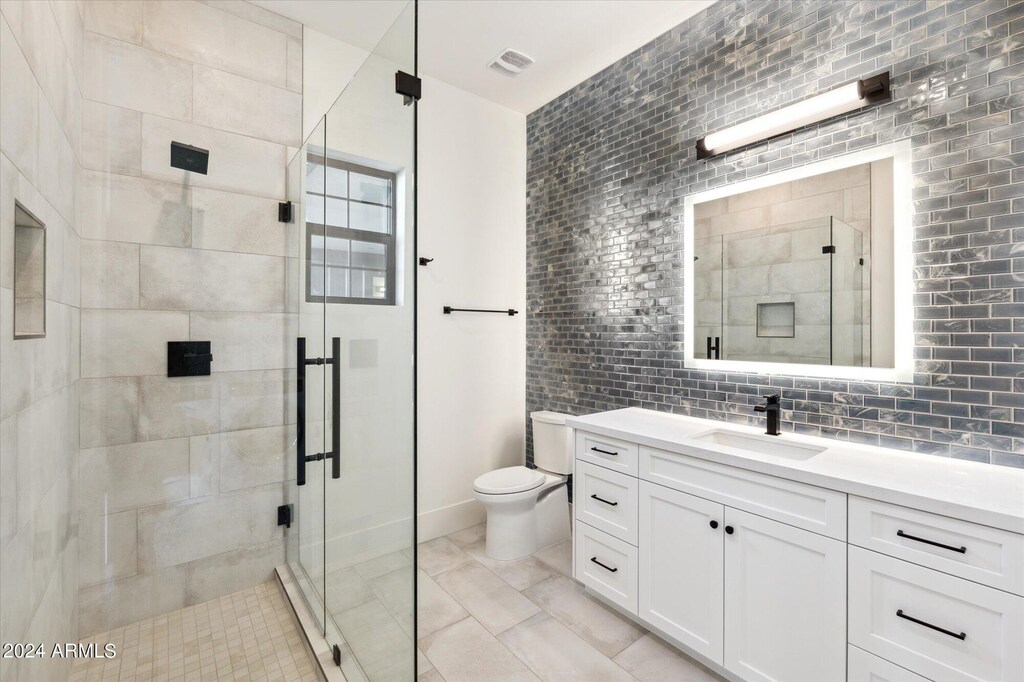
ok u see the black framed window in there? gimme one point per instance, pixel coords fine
(350, 233)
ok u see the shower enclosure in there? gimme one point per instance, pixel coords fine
(798, 293)
(351, 543)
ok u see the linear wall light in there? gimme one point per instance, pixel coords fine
(812, 110)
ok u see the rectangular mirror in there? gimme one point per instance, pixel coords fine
(29, 275)
(804, 271)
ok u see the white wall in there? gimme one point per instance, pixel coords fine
(472, 367)
(472, 221)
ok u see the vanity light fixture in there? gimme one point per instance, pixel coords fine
(787, 119)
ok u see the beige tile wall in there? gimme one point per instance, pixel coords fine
(41, 67)
(181, 477)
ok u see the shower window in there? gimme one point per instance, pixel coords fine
(350, 234)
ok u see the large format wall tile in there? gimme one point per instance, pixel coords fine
(228, 221)
(243, 459)
(242, 341)
(129, 209)
(107, 546)
(111, 138)
(109, 411)
(129, 342)
(121, 19)
(19, 105)
(135, 475)
(206, 35)
(113, 604)
(110, 275)
(237, 162)
(159, 84)
(192, 279)
(229, 572)
(179, 406)
(221, 100)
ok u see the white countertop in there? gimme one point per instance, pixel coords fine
(983, 493)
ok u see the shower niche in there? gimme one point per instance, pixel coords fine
(29, 275)
(803, 271)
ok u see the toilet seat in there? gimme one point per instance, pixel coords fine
(508, 480)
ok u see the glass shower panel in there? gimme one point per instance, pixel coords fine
(849, 283)
(707, 295)
(369, 521)
(305, 538)
(775, 294)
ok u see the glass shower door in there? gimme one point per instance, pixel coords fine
(352, 543)
(370, 317)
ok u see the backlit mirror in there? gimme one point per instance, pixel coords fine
(804, 271)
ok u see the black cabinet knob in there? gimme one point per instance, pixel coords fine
(729, 530)
(714, 524)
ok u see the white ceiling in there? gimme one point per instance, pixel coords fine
(569, 40)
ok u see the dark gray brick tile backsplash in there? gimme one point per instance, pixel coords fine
(610, 161)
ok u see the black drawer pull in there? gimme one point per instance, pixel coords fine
(601, 499)
(961, 550)
(605, 567)
(604, 452)
(962, 636)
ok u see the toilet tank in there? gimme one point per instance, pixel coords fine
(552, 442)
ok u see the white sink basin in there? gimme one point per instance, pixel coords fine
(761, 445)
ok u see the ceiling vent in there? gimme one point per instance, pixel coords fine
(510, 62)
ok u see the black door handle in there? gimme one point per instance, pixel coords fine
(730, 530)
(604, 452)
(604, 566)
(335, 453)
(714, 524)
(951, 548)
(962, 636)
(601, 499)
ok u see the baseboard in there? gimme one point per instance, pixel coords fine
(438, 522)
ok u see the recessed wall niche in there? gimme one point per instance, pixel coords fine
(29, 275)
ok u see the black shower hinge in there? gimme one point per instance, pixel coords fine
(284, 515)
(336, 654)
(425, 261)
(284, 212)
(408, 86)
(828, 249)
(860, 261)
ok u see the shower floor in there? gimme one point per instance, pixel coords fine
(248, 635)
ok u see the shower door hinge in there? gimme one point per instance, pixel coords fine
(284, 515)
(336, 654)
(828, 249)
(409, 86)
(284, 212)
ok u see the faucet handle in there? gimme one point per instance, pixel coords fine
(772, 399)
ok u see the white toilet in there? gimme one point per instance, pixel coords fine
(528, 509)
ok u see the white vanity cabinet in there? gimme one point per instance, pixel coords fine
(773, 579)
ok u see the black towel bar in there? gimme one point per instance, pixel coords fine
(448, 310)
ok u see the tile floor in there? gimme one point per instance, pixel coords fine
(482, 620)
(248, 635)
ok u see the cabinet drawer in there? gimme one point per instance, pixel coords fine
(986, 555)
(606, 565)
(611, 453)
(607, 500)
(805, 506)
(865, 667)
(897, 609)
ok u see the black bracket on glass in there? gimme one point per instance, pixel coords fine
(284, 212)
(188, 358)
(284, 515)
(424, 261)
(828, 249)
(409, 86)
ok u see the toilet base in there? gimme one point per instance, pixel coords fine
(516, 528)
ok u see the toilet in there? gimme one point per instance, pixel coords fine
(528, 509)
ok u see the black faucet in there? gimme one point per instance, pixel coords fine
(771, 409)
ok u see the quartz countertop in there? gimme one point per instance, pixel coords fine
(988, 494)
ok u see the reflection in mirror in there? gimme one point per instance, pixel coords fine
(29, 275)
(798, 272)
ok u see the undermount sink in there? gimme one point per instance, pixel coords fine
(761, 445)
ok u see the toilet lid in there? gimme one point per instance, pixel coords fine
(508, 480)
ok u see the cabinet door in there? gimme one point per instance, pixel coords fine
(681, 567)
(785, 601)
